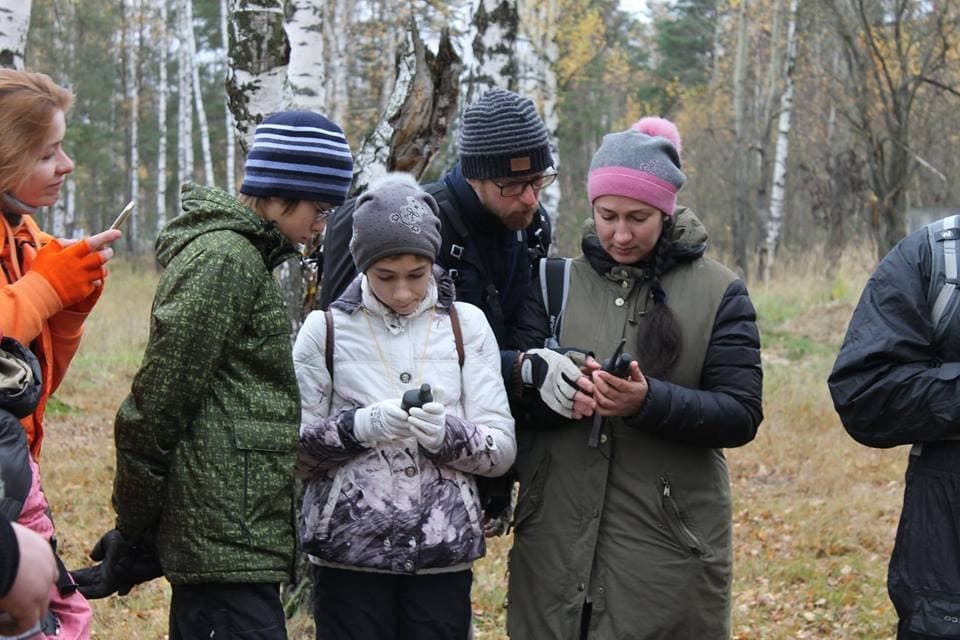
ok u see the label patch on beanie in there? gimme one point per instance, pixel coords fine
(410, 214)
(520, 164)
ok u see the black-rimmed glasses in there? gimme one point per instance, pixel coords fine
(514, 189)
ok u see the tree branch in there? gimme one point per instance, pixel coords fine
(940, 85)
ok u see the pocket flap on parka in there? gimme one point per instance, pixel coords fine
(278, 437)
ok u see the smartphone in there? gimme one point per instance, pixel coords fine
(124, 215)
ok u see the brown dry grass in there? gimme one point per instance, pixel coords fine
(814, 513)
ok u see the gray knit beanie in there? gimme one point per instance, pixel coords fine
(394, 216)
(502, 136)
(642, 163)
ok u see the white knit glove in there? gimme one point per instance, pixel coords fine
(383, 421)
(428, 424)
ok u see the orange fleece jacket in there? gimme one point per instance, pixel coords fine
(31, 312)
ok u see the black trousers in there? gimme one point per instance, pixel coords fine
(356, 605)
(227, 612)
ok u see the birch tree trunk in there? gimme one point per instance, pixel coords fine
(164, 42)
(185, 105)
(337, 36)
(489, 59)
(307, 86)
(423, 103)
(258, 54)
(14, 24)
(230, 182)
(537, 54)
(768, 95)
(306, 82)
(132, 11)
(63, 210)
(189, 39)
(389, 48)
(63, 225)
(739, 229)
(775, 217)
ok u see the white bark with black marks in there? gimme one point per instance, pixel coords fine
(418, 114)
(778, 190)
(230, 181)
(258, 54)
(185, 104)
(306, 85)
(132, 18)
(537, 54)
(163, 44)
(490, 54)
(14, 24)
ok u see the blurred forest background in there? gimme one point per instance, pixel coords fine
(807, 125)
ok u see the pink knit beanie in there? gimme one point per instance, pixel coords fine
(642, 163)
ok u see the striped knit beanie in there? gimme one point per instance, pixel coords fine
(502, 136)
(642, 163)
(298, 155)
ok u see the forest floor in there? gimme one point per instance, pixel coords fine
(814, 512)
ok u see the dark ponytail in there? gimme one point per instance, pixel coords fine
(658, 341)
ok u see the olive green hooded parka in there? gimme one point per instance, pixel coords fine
(206, 439)
(639, 527)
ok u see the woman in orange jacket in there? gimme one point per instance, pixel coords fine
(47, 285)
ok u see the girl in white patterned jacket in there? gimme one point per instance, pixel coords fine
(391, 517)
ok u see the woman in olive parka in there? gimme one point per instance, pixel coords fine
(631, 538)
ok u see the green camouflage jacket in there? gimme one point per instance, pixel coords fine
(206, 439)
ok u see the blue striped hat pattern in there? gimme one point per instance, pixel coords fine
(298, 155)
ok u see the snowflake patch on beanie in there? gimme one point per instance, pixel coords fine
(410, 214)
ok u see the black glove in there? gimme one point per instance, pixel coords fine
(121, 567)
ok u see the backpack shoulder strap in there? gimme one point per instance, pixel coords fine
(328, 350)
(455, 237)
(942, 236)
(457, 332)
(337, 270)
(453, 231)
(440, 193)
(554, 288)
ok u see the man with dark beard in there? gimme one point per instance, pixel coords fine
(494, 228)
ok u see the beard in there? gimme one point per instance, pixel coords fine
(517, 219)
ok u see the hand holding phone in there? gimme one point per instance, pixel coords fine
(619, 363)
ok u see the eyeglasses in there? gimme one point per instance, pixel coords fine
(514, 189)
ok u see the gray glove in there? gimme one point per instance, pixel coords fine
(554, 375)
